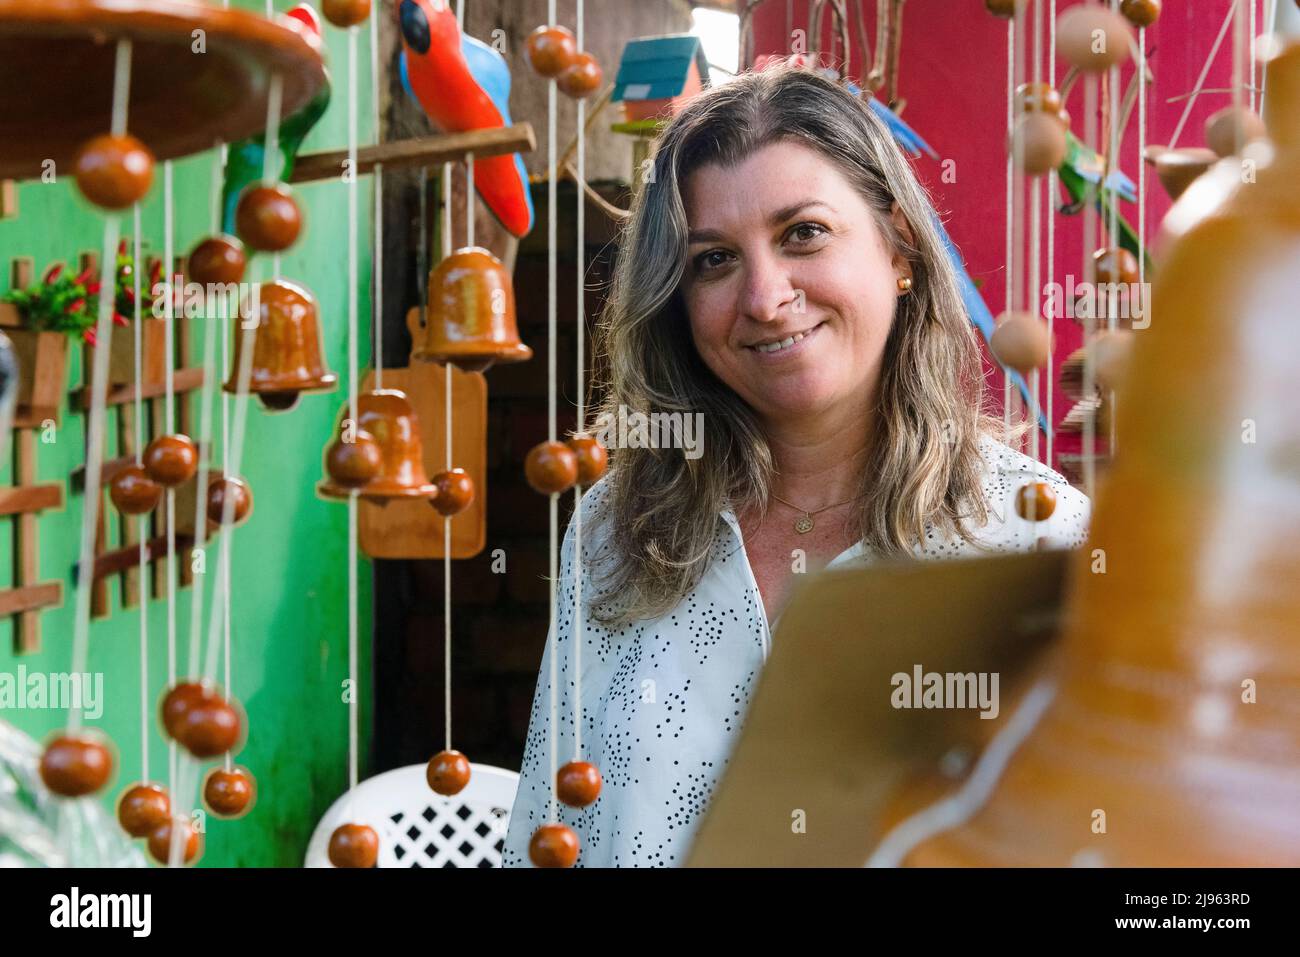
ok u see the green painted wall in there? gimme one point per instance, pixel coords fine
(290, 582)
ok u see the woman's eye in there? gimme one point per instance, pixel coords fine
(713, 259)
(806, 232)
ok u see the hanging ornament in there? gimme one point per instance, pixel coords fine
(133, 492)
(1092, 38)
(75, 765)
(448, 773)
(288, 359)
(1115, 265)
(354, 845)
(346, 13)
(388, 416)
(201, 721)
(577, 784)
(455, 492)
(229, 794)
(1038, 143)
(1035, 502)
(218, 260)
(114, 172)
(592, 458)
(236, 489)
(551, 468)
(552, 50)
(352, 464)
(171, 460)
(553, 845)
(1021, 342)
(143, 808)
(1228, 130)
(1140, 13)
(160, 842)
(471, 314)
(1004, 9)
(581, 78)
(268, 218)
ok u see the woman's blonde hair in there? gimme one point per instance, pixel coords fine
(924, 468)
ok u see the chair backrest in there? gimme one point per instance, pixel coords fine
(418, 828)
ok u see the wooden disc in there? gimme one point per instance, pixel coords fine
(56, 76)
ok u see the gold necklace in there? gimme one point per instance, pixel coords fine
(804, 523)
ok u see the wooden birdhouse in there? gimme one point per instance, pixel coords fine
(658, 76)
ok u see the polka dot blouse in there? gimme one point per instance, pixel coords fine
(664, 700)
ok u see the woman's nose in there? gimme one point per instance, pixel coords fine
(767, 290)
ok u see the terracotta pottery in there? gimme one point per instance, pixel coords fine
(161, 839)
(581, 78)
(577, 784)
(388, 416)
(471, 314)
(448, 773)
(229, 794)
(553, 845)
(143, 808)
(354, 845)
(133, 492)
(552, 50)
(287, 354)
(75, 765)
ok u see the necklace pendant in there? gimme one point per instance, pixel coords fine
(804, 525)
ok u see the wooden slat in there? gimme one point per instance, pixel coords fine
(155, 552)
(8, 199)
(30, 498)
(183, 380)
(9, 315)
(27, 630)
(423, 151)
(30, 599)
(128, 525)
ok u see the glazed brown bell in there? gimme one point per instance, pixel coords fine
(389, 418)
(287, 356)
(471, 314)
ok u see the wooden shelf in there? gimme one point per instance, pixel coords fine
(183, 380)
(27, 499)
(29, 598)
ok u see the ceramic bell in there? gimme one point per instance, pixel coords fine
(1161, 745)
(388, 417)
(471, 314)
(287, 356)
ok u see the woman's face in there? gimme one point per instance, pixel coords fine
(781, 245)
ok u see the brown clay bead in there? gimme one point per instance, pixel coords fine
(160, 842)
(1038, 98)
(346, 13)
(143, 808)
(448, 773)
(133, 492)
(1230, 129)
(228, 793)
(553, 845)
(218, 260)
(353, 464)
(210, 726)
(1038, 143)
(581, 78)
(237, 490)
(592, 458)
(577, 784)
(455, 492)
(551, 50)
(1021, 342)
(177, 702)
(1005, 9)
(1140, 13)
(171, 460)
(551, 467)
(354, 845)
(268, 218)
(1115, 265)
(1035, 502)
(114, 172)
(75, 766)
(1079, 30)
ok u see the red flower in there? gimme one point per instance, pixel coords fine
(93, 288)
(89, 335)
(75, 306)
(121, 247)
(85, 276)
(52, 273)
(120, 319)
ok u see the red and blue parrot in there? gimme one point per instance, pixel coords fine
(464, 84)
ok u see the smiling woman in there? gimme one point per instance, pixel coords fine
(781, 276)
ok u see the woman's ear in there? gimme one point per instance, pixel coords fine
(901, 263)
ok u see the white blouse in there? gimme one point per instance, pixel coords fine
(663, 700)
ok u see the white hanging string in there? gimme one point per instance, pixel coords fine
(1011, 119)
(550, 393)
(1112, 216)
(377, 269)
(141, 527)
(353, 373)
(1051, 245)
(581, 332)
(169, 427)
(1090, 272)
(98, 400)
(1036, 250)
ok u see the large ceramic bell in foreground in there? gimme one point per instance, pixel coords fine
(1173, 738)
(386, 420)
(287, 356)
(471, 321)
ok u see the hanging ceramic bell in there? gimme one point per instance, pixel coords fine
(1160, 746)
(287, 356)
(387, 417)
(471, 314)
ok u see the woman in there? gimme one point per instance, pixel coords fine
(781, 274)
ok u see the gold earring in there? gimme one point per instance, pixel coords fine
(904, 283)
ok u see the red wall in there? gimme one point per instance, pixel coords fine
(954, 81)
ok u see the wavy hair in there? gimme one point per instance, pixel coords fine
(924, 466)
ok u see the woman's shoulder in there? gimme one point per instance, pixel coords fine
(1007, 470)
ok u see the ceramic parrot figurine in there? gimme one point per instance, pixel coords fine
(976, 308)
(1081, 174)
(463, 84)
(246, 159)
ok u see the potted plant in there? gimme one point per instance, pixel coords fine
(153, 331)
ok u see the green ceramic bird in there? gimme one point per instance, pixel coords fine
(1081, 175)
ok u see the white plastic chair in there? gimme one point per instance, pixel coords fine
(418, 828)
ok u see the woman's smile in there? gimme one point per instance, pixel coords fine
(773, 349)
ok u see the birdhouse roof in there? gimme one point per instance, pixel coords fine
(656, 68)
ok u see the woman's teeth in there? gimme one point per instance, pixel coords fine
(784, 343)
